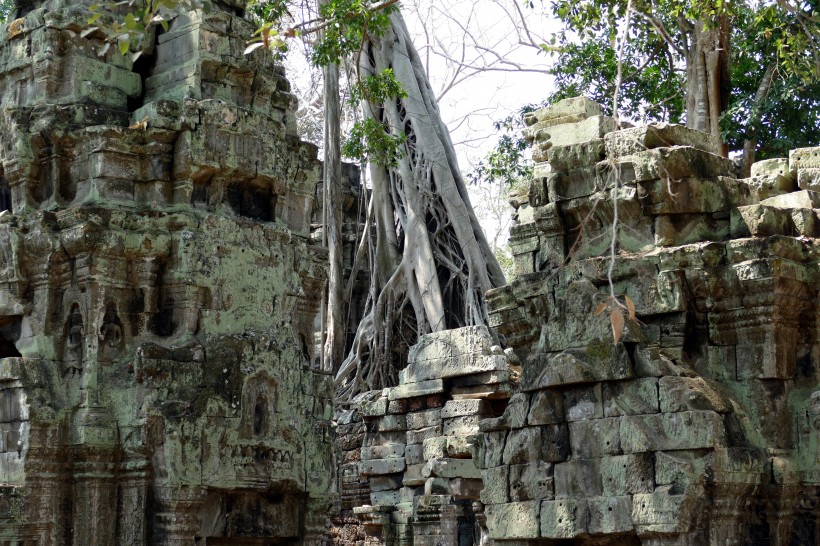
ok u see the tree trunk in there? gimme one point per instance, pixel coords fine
(708, 82)
(333, 343)
(750, 144)
(431, 263)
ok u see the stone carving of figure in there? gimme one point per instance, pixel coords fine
(111, 329)
(73, 353)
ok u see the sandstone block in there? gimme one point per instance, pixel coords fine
(676, 162)
(414, 454)
(496, 485)
(421, 388)
(659, 511)
(803, 199)
(549, 443)
(627, 474)
(804, 158)
(465, 488)
(662, 135)
(414, 475)
(575, 106)
(489, 449)
(577, 479)
(685, 229)
(513, 520)
(690, 393)
(461, 408)
(381, 466)
(610, 515)
(461, 426)
(772, 167)
(584, 402)
(564, 518)
(660, 432)
(685, 196)
(760, 221)
(808, 179)
(573, 156)
(636, 397)
(460, 447)
(423, 419)
(594, 438)
(581, 182)
(419, 436)
(599, 362)
(546, 408)
(451, 468)
(390, 451)
(532, 481)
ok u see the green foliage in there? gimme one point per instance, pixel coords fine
(653, 87)
(129, 32)
(377, 88)
(507, 162)
(369, 140)
(6, 10)
(347, 22)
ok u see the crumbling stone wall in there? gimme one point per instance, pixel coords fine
(699, 426)
(158, 291)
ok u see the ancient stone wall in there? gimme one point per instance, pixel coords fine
(700, 425)
(158, 291)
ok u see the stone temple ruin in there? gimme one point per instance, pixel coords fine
(160, 289)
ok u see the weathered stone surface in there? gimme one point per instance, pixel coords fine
(564, 518)
(546, 408)
(660, 432)
(609, 515)
(690, 393)
(599, 362)
(416, 389)
(381, 466)
(513, 520)
(635, 397)
(627, 474)
(769, 167)
(594, 438)
(549, 443)
(661, 135)
(532, 481)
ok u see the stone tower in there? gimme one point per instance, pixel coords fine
(157, 290)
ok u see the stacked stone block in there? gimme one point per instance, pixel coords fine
(158, 291)
(412, 448)
(693, 427)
